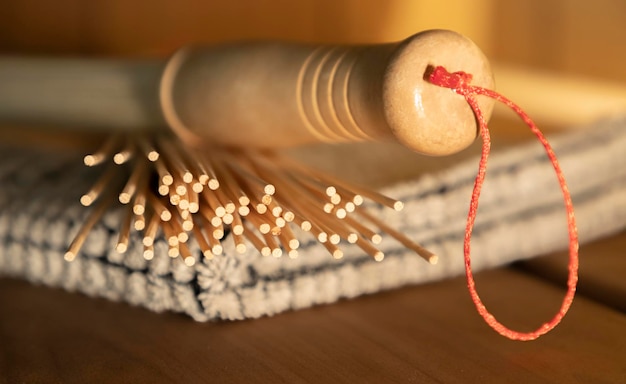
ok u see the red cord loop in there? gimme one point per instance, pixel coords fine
(459, 82)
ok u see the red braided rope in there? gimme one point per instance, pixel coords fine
(459, 82)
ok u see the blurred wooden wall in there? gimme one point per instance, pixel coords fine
(581, 37)
(131, 28)
(574, 36)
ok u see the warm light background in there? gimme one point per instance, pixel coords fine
(577, 36)
(123, 27)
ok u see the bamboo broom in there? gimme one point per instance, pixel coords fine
(227, 106)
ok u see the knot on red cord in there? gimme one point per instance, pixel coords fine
(457, 81)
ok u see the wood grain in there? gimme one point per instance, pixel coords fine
(424, 334)
(602, 271)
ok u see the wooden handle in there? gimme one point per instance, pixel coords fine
(263, 95)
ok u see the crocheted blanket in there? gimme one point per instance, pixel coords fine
(521, 215)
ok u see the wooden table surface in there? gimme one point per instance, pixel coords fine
(421, 334)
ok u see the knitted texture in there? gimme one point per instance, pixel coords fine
(521, 216)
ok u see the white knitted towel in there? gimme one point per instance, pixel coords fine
(521, 215)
